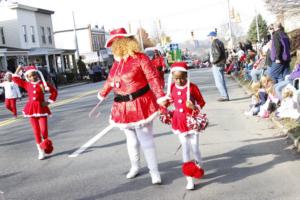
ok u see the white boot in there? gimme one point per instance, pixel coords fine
(150, 157)
(134, 156)
(155, 177)
(190, 183)
(133, 172)
(41, 152)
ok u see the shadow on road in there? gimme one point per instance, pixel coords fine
(226, 168)
(170, 171)
(237, 165)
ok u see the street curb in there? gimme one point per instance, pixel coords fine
(286, 131)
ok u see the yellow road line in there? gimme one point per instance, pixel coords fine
(59, 103)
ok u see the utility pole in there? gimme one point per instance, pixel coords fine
(141, 38)
(229, 23)
(75, 34)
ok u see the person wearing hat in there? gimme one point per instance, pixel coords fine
(218, 60)
(36, 108)
(137, 94)
(186, 98)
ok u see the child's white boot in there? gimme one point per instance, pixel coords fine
(41, 152)
(190, 183)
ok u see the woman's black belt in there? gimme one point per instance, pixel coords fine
(132, 96)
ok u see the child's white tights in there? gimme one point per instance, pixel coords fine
(187, 142)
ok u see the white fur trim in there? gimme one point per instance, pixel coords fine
(31, 70)
(181, 87)
(181, 69)
(16, 75)
(50, 101)
(101, 98)
(162, 99)
(36, 115)
(134, 124)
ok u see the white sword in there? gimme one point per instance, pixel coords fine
(91, 142)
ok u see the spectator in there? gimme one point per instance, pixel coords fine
(81, 67)
(280, 54)
(218, 60)
(289, 79)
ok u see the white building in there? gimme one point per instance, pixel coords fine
(91, 42)
(30, 29)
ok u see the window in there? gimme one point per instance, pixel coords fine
(49, 35)
(2, 35)
(24, 29)
(32, 34)
(43, 35)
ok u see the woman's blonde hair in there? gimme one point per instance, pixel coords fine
(126, 46)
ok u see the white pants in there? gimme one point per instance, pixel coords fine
(142, 136)
(187, 142)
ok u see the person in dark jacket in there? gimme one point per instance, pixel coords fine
(218, 60)
(280, 54)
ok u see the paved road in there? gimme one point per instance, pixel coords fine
(245, 158)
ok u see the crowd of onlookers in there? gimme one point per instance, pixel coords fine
(273, 81)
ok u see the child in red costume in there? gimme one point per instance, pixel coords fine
(37, 108)
(186, 98)
(12, 92)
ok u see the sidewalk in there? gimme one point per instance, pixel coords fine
(290, 128)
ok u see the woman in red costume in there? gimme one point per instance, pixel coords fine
(137, 92)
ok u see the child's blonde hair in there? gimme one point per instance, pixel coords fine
(287, 92)
(255, 86)
(266, 81)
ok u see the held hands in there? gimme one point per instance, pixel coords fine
(190, 105)
(44, 104)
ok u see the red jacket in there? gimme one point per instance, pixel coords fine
(179, 97)
(131, 75)
(36, 96)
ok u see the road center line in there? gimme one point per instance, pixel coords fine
(56, 104)
(90, 142)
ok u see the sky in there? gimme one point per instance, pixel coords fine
(178, 17)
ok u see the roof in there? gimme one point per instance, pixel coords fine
(16, 5)
(288, 7)
(12, 48)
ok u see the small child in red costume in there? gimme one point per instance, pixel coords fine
(37, 108)
(186, 98)
(12, 92)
